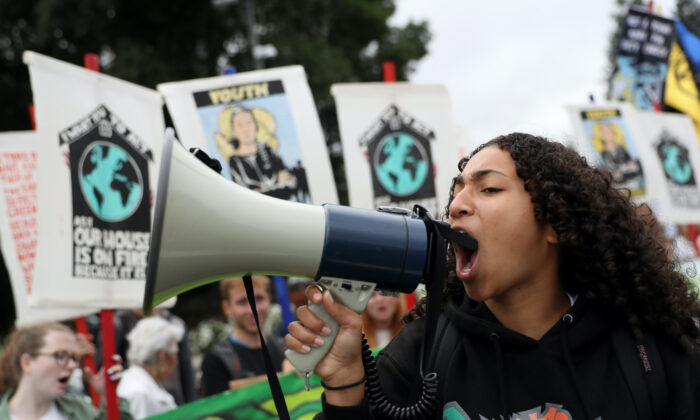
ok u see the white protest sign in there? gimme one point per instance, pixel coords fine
(18, 225)
(398, 144)
(262, 126)
(605, 138)
(101, 141)
(671, 157)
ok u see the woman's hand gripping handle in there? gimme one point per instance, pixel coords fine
(327, 338)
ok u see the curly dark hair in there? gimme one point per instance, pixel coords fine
(611, 249)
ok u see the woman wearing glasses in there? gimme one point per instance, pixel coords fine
(35, 367)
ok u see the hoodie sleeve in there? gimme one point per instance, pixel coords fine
(397, 365)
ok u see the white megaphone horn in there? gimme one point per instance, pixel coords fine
(207, 228)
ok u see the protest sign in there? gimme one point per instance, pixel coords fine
(398, 144)
(670, 154)
(97, 164)
(18, 225)
(641, 59)
(263, 128)
(604, 137)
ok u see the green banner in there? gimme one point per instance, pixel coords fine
(253, 402)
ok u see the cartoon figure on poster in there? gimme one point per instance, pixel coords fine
(255, 140)
(608, 135)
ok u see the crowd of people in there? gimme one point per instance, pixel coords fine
(529, 322)
(39, 362)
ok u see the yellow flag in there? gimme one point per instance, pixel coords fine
(681, 92)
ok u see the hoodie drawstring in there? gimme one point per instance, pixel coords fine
(568, 320)
(499, 368)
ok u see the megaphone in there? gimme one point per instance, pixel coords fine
(207, 228)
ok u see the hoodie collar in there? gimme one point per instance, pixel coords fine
(475, 319)
(581, 324)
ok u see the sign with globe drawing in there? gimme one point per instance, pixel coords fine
(674, 157)
(398, 148)
(111, 197)
(110, 180)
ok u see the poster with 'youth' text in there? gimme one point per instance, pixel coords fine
(261, 126)
(398, 144)
(606, 139)
(101, 138)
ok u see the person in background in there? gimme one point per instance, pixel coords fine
(381, 320)
(35, 366)
(181, 384)
(240, 355)
(297, 290)
(152, 357)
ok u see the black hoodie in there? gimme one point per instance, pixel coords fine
(571, 373)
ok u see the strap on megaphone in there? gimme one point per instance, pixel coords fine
(272, 379)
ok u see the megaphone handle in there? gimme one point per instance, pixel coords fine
(306, 362)
(352, 293)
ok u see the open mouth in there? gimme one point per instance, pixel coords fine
(465, 258)
(64, 380)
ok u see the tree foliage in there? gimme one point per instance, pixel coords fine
(688, 12)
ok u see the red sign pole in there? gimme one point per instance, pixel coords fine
(108, 351)
(694, 234)
(389, 71)
(31, 116)
(92, 62)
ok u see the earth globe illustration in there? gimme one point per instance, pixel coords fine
(675, 165)
(401, 164)
(111, 181)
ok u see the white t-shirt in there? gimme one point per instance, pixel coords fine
(146, 398)
(383, 337)
(53, 414)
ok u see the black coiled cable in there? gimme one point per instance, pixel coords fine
(421, 409)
